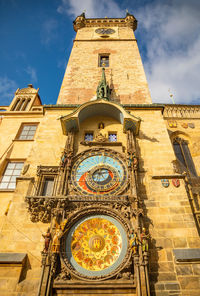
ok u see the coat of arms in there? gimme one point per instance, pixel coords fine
(185, 125)
(176, 182)
(165, 183)
(172, 124)
(191, 125)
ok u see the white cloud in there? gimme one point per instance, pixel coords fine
(32, 72)
(7, 90)
(171, 35)
(49, 31)
(94, 8)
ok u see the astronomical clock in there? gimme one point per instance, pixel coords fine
(99, 172)
(95, 246)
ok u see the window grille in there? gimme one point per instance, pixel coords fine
(12, 171)
(27, 132)
(112, 137)
(89, 137)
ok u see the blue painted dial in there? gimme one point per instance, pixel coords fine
(99, 172)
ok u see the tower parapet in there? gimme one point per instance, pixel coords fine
(81, 22)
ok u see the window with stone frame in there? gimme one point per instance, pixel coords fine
(89, 136)
(27, 131)
(104, 60)
(47, 186)
(47, 183)
(183, 155)
(12, 171)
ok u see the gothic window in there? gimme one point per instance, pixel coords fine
(112, 137)
(27, 132)
(182, 152)
(12, 171)
(104, 61)
(89, 136)
(47, 189)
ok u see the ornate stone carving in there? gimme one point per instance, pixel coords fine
(103, 90)
(47, 170)
(64, 275)
(175, 111)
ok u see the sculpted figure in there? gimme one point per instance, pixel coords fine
(100, 135)
(134, 242)
(47, 239)
(56, 240)
(58, 234)
(144, 240)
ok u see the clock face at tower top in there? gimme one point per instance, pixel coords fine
(99, 172)
(104, 31)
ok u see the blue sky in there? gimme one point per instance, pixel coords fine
(37, 36)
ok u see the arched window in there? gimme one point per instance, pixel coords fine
(16, 105)
(24, 107)
(183, 155)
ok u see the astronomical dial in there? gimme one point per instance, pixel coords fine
(96, 245)
(104, 31)
(99, 172)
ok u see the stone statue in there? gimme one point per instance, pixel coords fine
(47, 239)
(100, 136)
(144, 240)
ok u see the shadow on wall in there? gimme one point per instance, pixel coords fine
(154, 248)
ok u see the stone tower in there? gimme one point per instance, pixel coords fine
(108, 43)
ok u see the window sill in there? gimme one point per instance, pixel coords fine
(18, 140)
(91, 143)
(7, 190)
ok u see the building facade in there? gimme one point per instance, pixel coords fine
(99, 193)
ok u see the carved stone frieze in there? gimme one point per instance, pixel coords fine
(178, 111)
(42, 208)
(47, 170)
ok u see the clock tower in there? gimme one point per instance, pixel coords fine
(98, 220)
(109, 43)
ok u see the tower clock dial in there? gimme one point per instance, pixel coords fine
(99, 172)
(104, 31)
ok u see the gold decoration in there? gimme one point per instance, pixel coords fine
(96, 244)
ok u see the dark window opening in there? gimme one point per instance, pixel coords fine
(182, 152)
(47, 189)
(104, 61)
